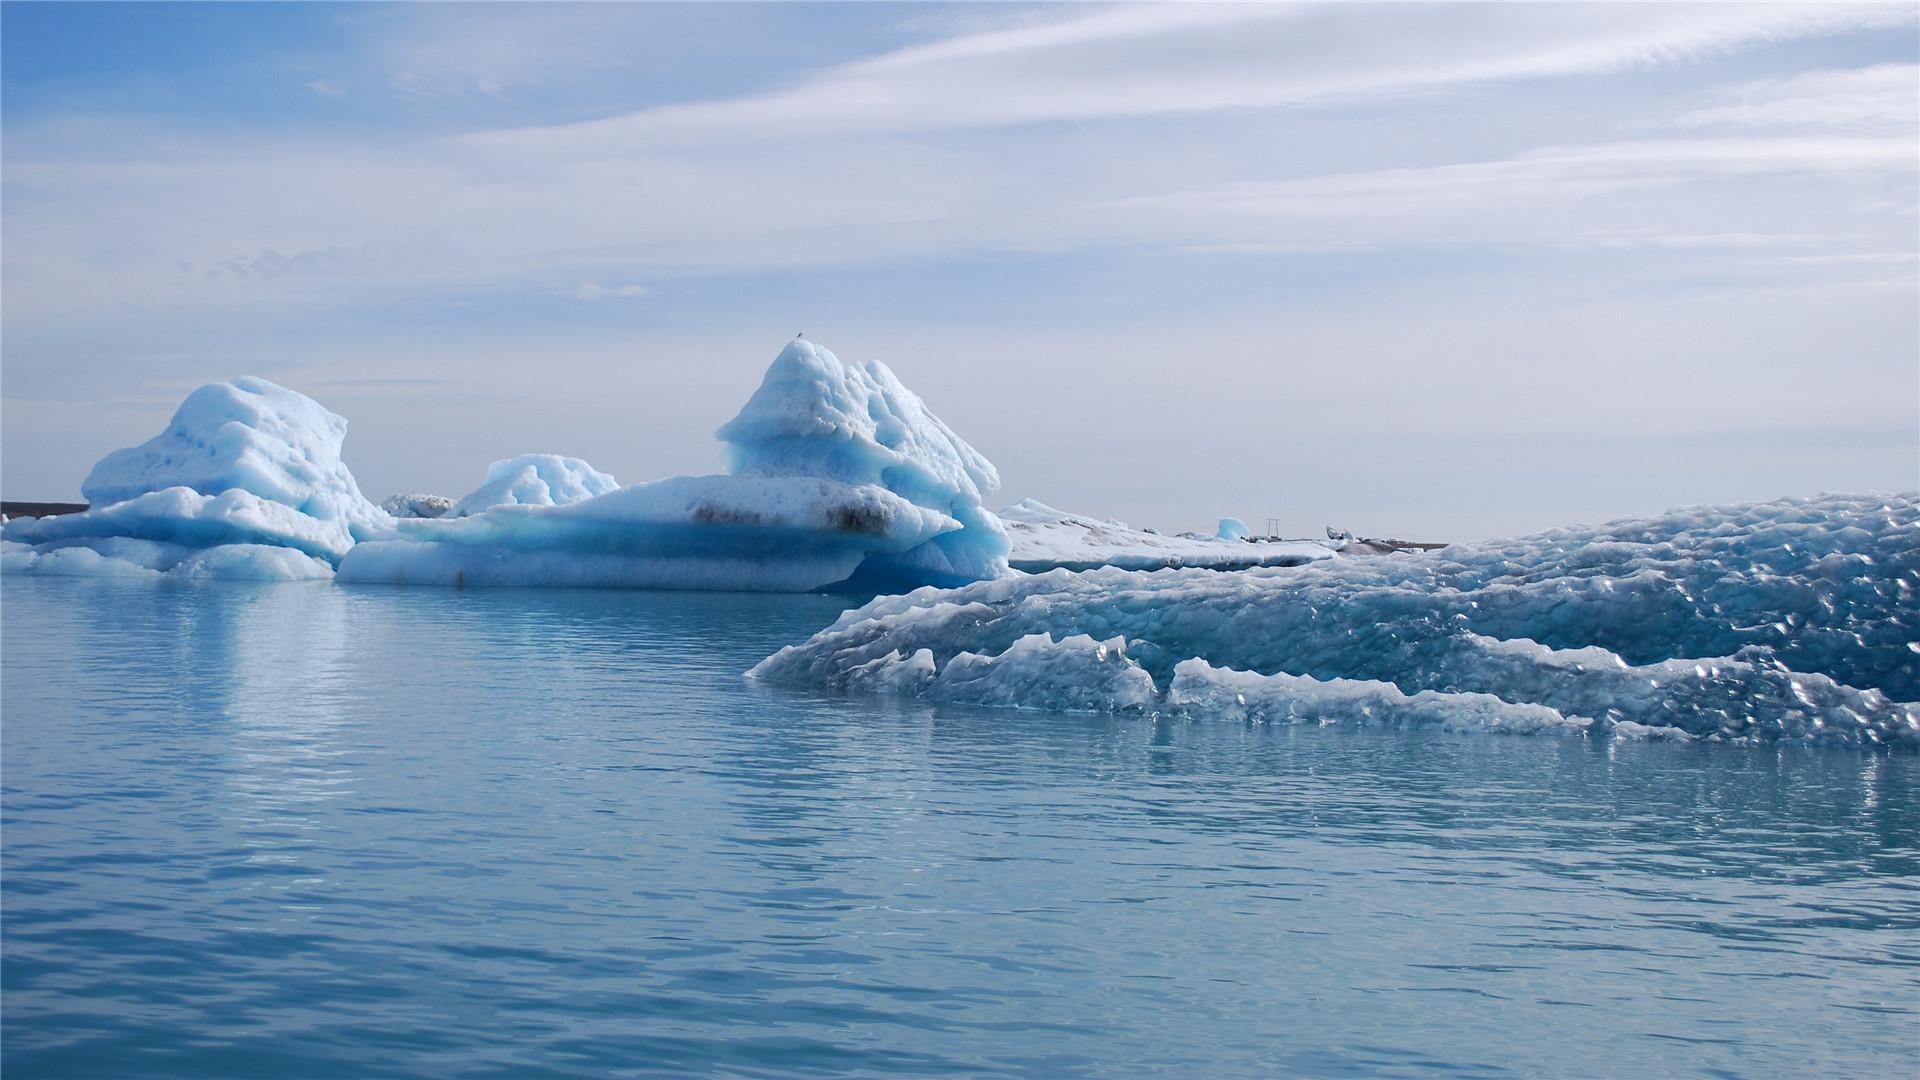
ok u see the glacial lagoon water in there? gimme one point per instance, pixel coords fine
(321, 831)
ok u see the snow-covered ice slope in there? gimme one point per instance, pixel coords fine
(1048, 539)
(1797, 619)
(839, 477)
(246, 465)
(534, 480)
(817, 416)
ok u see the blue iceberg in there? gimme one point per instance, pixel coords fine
(839, 477)
(532, 480)
(417, 504)
(245, 482)
(1796, 619)
(1045, 538)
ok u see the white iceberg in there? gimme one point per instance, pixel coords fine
(245, 464)
(417, 505)
(1794, 619)
(533, 480)
(1044, 538)
(839, 477)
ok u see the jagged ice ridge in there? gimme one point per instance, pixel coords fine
(1796, 619)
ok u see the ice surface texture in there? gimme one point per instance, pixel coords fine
(534, 480)
(1045, 538)
(417, 505)
(839, 477)
(244, 464)
(1793, 619)
(817, 416)
(246, 435)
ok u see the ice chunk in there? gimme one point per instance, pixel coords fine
(534, 480)
(840, 478)
(1199, 689)
(782, 534)
(247, 435)
(244, 464)
(121, 556)
(186, 518)
(1035, 512)
(1783, 620)
(71, 562)
(1232, 528)
(816, 415)
(1044, 538)
(253, 562)
(416, 505)
(1078, 674)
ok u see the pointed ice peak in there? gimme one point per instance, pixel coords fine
(817, 415)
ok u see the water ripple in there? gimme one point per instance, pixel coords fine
(268, 831)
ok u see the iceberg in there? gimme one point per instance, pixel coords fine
(417, 505)
(1232, 528)
(533, 480)
(247, 465)
(1790, 620)
(838, 477)
(1044, 538)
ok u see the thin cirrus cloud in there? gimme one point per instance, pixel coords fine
(588, 290)
(1736, 194)
(1431, 225)
(1882, 97)
(1174, 59)
(892, 173)
(1576, 171)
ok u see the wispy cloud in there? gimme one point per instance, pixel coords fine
(1861, 258)
(1884, 97)
(1452, 216)
(1578, 170)
(1185, 58)
(894, 167)
(494, 50)
(1621, 196)
(588, 290)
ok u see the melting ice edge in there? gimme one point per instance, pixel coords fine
(1797, 619)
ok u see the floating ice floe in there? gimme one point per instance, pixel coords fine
(246, 482)
(1797, 619)
(838, 477)
(1048, 539)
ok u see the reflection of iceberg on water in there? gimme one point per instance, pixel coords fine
(838, 477)
(245, 482)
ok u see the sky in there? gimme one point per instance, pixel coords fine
(1428, 271)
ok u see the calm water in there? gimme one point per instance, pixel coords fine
(306, 831)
